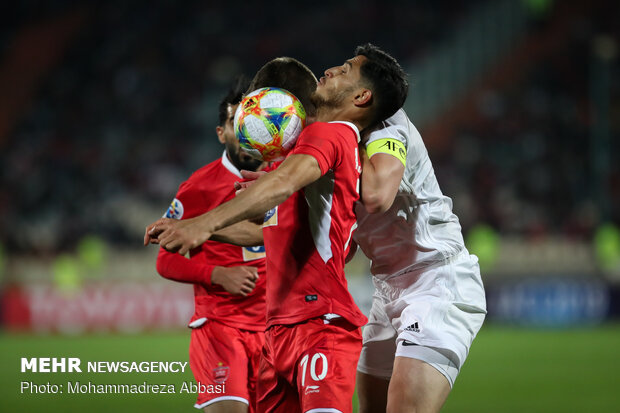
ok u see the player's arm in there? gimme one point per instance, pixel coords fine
(244, 234)
(248, 233)
(239, 280)
(268, 191)
(382, 171)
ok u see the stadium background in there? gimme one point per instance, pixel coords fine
(105, 107)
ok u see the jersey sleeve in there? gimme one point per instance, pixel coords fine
(395, 127)
(176, 267)
(322, 143)
(188, 203)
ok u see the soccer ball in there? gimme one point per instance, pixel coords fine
(268, 122)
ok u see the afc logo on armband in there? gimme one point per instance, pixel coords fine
(393, 146)
(389, 146)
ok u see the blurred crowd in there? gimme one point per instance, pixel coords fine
(130, 111)
(543, 157)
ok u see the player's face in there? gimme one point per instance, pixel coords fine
(339, 82)
(236, 155)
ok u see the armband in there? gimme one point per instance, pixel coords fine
(389, 146)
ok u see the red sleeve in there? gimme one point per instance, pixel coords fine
(322, 141)
(189, 202)
(176, 267)
(194, 201)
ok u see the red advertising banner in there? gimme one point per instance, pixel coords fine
(123, 307)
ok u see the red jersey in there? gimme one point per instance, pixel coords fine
(307, 236)
(207, 188)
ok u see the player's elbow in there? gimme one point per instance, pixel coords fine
(377, 208)
(162, 265)
(376, 202)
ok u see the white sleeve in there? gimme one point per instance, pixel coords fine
(394, 127)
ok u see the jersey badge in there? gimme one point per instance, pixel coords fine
(271, 217)
(220, 373)
(175, 210)
(253, 253)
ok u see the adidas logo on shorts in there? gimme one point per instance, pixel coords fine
(413, 327)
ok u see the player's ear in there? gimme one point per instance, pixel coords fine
(363, 97)
(219, 130)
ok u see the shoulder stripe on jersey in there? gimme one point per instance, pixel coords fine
(388, 146)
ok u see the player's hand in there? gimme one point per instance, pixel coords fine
(250, 177)
(235, 280)
(176, 236)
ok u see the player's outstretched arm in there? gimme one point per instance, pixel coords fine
(381, 176)
(243, 234)
(267, 192)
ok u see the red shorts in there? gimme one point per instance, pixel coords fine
(309, 367)
(225, 361)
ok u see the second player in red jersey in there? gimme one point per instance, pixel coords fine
(229, 282)
(207, 188)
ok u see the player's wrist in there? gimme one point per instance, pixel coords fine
(216, 275)
(207, 223)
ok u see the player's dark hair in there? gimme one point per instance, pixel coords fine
(234, 95)
(387, 80)
(290, 74)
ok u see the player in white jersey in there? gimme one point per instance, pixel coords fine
(429, 300)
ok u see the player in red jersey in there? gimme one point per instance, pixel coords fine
(229, 281)
(313, 338)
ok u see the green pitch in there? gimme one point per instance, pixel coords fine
(509, 370)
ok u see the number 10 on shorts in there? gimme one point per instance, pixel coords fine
(313, 367)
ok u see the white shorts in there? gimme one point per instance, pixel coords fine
(432, 314)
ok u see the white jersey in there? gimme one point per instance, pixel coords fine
(420, 228)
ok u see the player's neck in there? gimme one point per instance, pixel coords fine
(331, 114)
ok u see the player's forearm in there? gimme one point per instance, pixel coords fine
(176, 267)
(243, 234)
(267, 192)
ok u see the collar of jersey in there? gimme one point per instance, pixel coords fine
(228, 165)
(357, 132)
